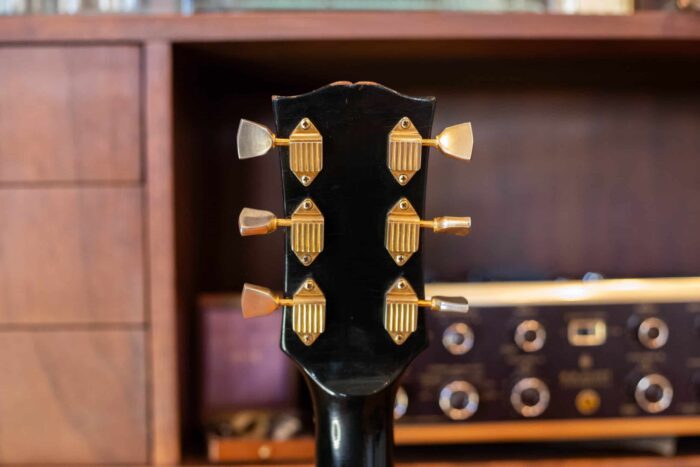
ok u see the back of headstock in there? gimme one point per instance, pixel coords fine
(354, 168)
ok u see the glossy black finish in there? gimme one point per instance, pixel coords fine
(352, 367)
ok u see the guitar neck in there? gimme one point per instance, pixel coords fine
(354, 430)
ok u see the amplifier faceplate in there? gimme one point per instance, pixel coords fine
(579, 358)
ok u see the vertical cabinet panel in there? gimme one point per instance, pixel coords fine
(71, 255)
(72, 397)
(69, 113)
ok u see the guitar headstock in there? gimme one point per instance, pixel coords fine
(354, 163)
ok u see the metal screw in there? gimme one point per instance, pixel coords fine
(404, 123)
(401, 284)
(403, 179)
(308, 204)
(306, 338)
(309, 285)
(305, 179)
(398, 339)
(400, 259)
(305, 123)
(306, 259)
(403, 204)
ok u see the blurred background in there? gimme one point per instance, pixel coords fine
(120, 261)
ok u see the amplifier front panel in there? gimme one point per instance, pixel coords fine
(558, 362)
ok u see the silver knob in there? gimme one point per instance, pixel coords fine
(652, 333)
(458, 338)
(530, 397)
(400, 403)
(653, 393)
(459, 400)
(530, 335)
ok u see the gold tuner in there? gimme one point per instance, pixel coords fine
(403, 229)
(308, 307)
(306, 228)
(305, 147)
(401, 309)
(406, 144)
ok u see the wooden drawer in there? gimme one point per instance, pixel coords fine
(69, 113)
(73, 397)
(71, 255)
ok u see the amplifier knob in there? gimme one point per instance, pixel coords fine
(459, 400)
(652, 333)
(653, 393)
(458, 339)
(530, 335)
(400, 403)
(530, 397)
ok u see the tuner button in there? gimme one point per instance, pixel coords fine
(653, 393)
(530, 397)
(308, 307)
(652, 333)
(401, 309)
(458, 338)
(403, 225)
(459, 400)
(253, 139)
(307, 228)
(456, 141)
(400, 403)
(530, 336)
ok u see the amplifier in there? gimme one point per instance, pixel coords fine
(557, 360)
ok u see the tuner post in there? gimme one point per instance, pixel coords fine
(306, 223)
(401, 309)
(406, 143)
(308, 307)
(402, 237)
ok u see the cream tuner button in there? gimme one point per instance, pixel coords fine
(653, 393)
(459, 400)
(530, 397)
(458, 338)
(530, 336)
(400, 403)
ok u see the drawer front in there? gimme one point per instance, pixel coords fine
(72, 397)
(71, 255)
(69, 113)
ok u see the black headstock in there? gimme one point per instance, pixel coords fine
(347, 199)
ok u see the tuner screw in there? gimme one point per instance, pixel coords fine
(405, 123)
(308, 204)
(401, 284)
(403, 204)
(403, 179)
(305, 123)
(306, 259)
(400, 259)
(309, 285)
(305, 180)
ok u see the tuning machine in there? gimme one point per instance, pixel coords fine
(402, 237)
(308, 307)
(401, 309)
(306, 224)
(406, 144)
(305, 146)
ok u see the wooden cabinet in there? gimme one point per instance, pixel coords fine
(69, 113)
(73, 396)
(71, 255)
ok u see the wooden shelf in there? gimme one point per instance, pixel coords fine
(283, 26)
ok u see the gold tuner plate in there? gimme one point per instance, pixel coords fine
(401, 309)
(305, 146)
(403, 229)
(307, 228)
(406, 144)
(308, 307)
